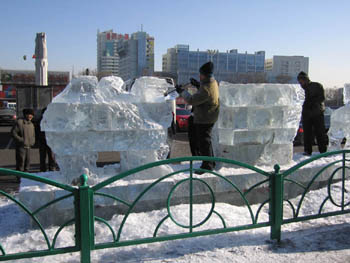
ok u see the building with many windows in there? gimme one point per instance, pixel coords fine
(136, 56)
(227, 65)
(284, 69)
(107, 56)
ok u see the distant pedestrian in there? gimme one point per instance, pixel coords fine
(205, 103)
(23, 133)
(44, 149)
(312, 114)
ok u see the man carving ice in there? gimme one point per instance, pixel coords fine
(205, 104)
(312, 114)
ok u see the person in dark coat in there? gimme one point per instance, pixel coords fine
(44, 149)
(312, 114)
(23, 133)
(205, 103)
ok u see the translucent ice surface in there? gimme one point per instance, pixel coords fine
(339, 128)
(91, 116)
(346, 93)
(340, 123)
(150, 89)
(258, 122)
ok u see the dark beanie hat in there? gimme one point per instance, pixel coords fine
(207, 69)
(302, 75)
(28, 111)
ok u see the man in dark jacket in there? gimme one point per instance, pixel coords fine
(312, 114)
(44, 149)
(205, 103)
(23, 133)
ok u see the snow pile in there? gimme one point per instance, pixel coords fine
(90, 116)
(323, 240)
(258, 122)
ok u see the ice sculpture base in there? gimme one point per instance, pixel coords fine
(257, 154)
(34, 195)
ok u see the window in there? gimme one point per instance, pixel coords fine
(182, 112)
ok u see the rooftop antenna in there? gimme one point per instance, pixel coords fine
(141, 27)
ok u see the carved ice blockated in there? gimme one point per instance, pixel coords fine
(258, 122)
(90, 117)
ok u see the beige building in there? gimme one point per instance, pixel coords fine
(284, 69)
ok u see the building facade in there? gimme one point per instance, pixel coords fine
(284, 69)
(107, 56)
(185, 63)
(136, 56)
(10, 80)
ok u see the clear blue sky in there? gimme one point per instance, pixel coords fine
(316, 29)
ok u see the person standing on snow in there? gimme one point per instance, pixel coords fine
(205, 103)
(23, 133)
(312, 114)
(44, 149)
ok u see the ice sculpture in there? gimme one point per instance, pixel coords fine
(346, 93)
(340, 123)
(90, 117)
(258, 122)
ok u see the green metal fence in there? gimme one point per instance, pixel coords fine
(84, 218)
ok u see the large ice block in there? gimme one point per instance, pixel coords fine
(346, 93)
(90, 116)
(339, 128)
(257, 122)
(340, 123)
(232, 95)
(150, 89)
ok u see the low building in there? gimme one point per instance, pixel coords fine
(284, 69)
(228, 65)
(11, 79)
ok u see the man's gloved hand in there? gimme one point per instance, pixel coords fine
(179, 89)
(195, 82)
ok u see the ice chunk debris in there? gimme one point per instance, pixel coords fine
(90, 116)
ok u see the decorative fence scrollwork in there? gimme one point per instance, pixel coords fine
(276, 200)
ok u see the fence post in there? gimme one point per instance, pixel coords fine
(276, 203)
(86, 220)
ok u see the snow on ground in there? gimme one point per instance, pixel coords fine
(321, 240)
